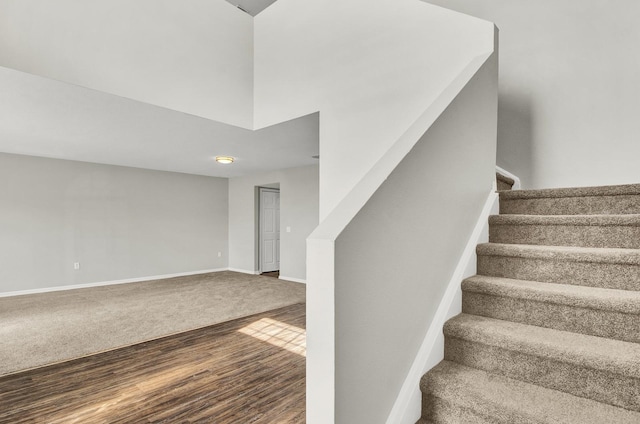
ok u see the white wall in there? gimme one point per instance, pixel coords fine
(370, 68)
(118, 222)
(195, 57)
(569, 89)
(298, 210)
(395, 258)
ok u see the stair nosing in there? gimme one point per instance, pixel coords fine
(598, 220)
(568, 192)
(555, 343)
(627, 301)
(505, 179)
(486, 384)
(609, 255)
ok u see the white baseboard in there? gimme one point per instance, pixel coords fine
(406, 409)
(108, 283)
(244, 271)
(516, 183)
(295, 280)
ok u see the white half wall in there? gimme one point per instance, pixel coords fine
(117, 222)
(194, 57)
(298, 211)
(408, 406)
(569, 89)
(394, 260)
(370, 68)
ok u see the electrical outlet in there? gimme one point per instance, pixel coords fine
(76, 265)
(219, 254)
(288, 229)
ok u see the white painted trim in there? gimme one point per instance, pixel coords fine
(321, 339)
(295, 280)
(261, 225)
(516, 184)
(244, 271)
(108, 283)
(406, 408)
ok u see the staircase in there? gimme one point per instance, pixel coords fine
(550, 326)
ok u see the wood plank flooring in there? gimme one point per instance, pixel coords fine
(250, 370)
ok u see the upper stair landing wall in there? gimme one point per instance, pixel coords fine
(194, 57)
(569, 89)
(370, 68)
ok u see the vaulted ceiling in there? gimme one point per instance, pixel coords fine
(252, 7)
(164, 86)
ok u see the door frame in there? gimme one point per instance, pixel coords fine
(260, 224)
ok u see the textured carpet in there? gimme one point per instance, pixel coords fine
(503, 182)
(550, 327)
(45, 328)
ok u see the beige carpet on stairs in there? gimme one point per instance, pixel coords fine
(503, 182)
(41, 329)
(550, 326)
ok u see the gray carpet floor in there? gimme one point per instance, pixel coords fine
(41, 329)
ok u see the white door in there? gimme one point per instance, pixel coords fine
(269, 230)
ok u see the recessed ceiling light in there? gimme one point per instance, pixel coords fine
(224, 159)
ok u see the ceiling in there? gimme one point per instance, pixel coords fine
(252, 7)
(43, 117)
(93, 82)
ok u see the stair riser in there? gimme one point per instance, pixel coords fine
(592, 274)
(627, 237)
(503, 182)
(439, 411)
(503, 185)
(589, 205)
(594, 322)
(602, 386)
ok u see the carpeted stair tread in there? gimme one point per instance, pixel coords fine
(623, 301)
(441, 411)
(504, 182)
(586, 310)
(562, 253)
(627, 220)
(601, 369)
(614, 190)
(623, 199)
(599, 231)
(597, 353)
(507, 401)
(613, 268)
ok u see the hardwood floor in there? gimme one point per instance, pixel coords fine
(250, 370)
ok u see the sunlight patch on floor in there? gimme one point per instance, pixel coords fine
(279, 334)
